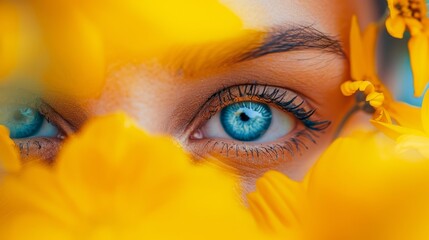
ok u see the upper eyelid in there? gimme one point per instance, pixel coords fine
(52, 116)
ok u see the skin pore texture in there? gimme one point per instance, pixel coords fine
(173, 103)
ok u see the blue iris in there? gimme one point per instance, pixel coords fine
(246, 121)
(24, 122)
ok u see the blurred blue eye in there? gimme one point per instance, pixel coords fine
(246, 121)
(26, 122)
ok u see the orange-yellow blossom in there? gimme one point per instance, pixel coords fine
(363, 71)
(113, 181)
(412, 15)
(360, 188)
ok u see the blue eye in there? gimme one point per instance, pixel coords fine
(26, 122)
(246, 121)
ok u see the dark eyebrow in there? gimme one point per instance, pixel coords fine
(294, 39)
(190, 60)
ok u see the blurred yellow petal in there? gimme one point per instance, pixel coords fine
(396, 27)
(406, 115)
(356, 51)
(395, 131)
(418, 47)
(113, 181)
(276, 199)
(76, 60)
(9, 156)
(157, 25)
(9, 38)
(413, 142)
(425, 113)
(361, 189)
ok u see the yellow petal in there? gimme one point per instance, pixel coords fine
(418, 47)
(381, 115)
(156, 25)
(9, 38)
(395, 131)
(356, 51)
(412, 142)
(348, 88)
(425, 113)
(396, 27)
(369, 43)
(375, 99)
(406, 115)
(9, 156)
(75, 50)
(361, 189)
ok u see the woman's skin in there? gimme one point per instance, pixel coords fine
(173, 104)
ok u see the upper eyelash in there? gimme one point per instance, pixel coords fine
(275, 95)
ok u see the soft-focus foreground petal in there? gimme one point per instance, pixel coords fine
(9, 38)
(187, 35)
(361, 188)
(275, 204)
(418, 47)
(113, 181)
(395, 131)
(406, 115)
(406, 143)
(425, 113)
(161, 23)
(9, 156)
(75, 51)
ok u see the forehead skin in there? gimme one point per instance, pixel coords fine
(329, 16)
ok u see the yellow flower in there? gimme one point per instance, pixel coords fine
(363, 72)
(113, 181)
(413, 131)
(411, 15)
(360, 188)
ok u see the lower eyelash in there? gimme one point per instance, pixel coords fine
(273, 153)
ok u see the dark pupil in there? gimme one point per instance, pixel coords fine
(244, 117)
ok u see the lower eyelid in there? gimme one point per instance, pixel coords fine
(256, 156)
(38, 148)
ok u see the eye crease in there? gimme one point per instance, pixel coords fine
(255, 124)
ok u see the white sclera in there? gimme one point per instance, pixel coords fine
(46, 130)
